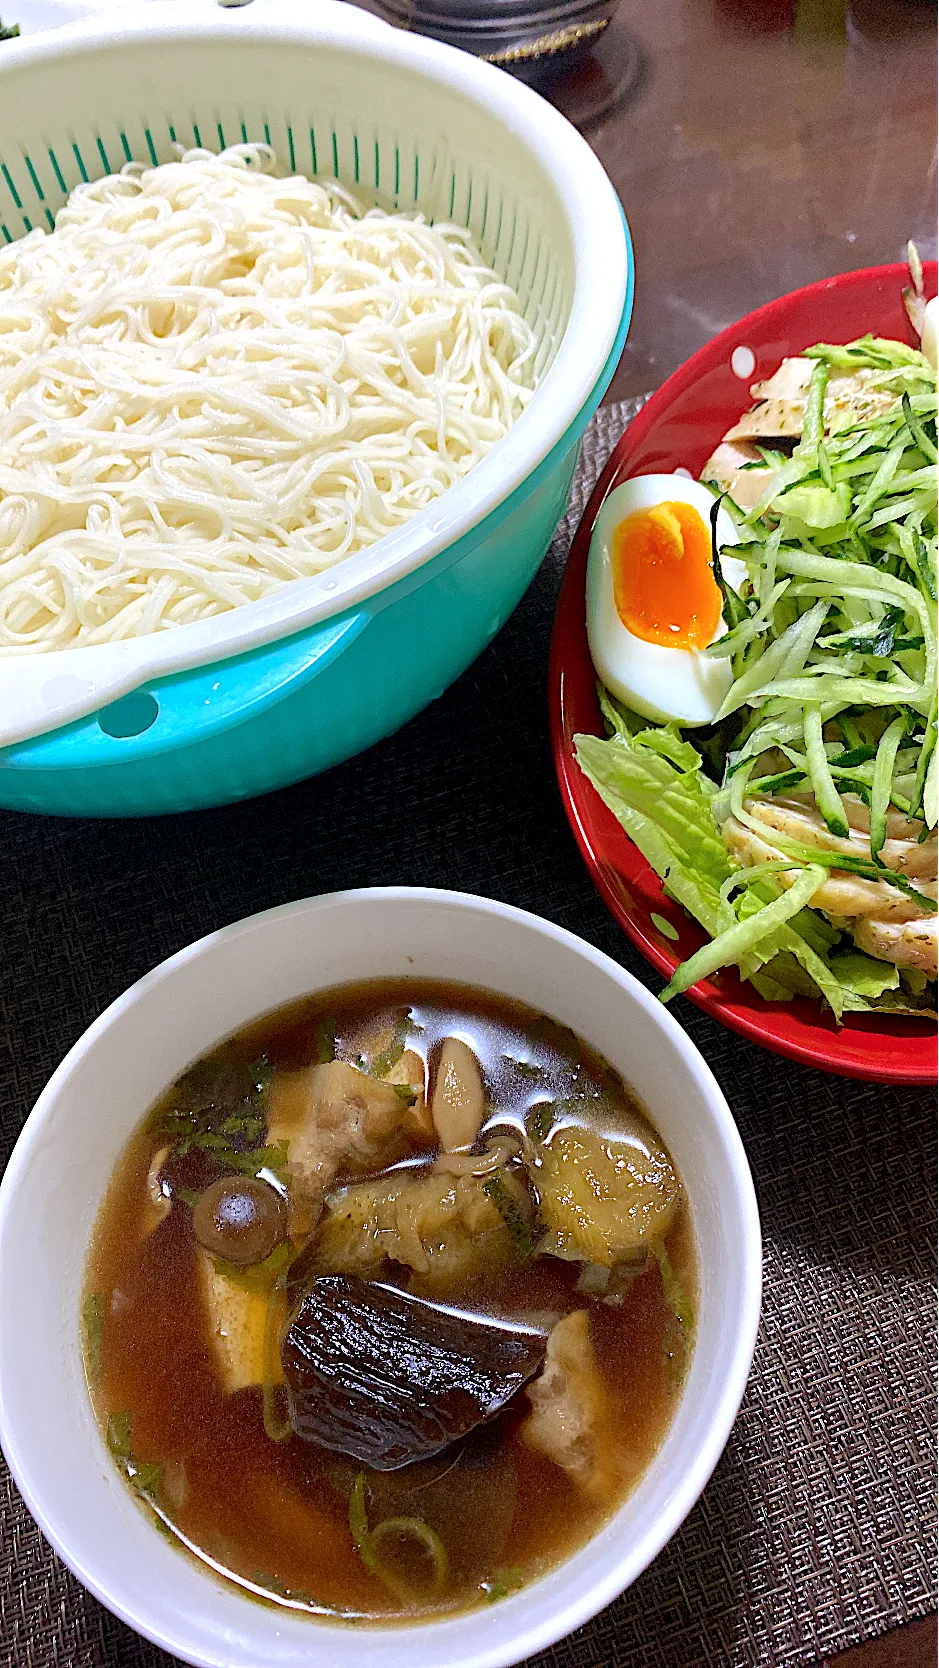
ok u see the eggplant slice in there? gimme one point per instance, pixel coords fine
(390, 1379)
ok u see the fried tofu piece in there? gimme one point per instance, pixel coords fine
(235, 1323)
(572, 1419)
(340, 1121)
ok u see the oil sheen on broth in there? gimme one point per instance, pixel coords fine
(390, 1301)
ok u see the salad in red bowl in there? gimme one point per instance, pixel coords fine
(743, 678)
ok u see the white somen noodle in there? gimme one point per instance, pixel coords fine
(214, 381)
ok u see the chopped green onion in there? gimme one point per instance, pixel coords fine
(394, 1534)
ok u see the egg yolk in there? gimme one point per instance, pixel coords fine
(663, 585)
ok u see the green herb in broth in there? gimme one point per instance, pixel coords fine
(119, 1434)
(430, 1538)
(586, 1100)
(144, 1476)
(382, 1063)
(296, 1597)
(673, 1290)
(507, 1204)
(539, 1120)
(502, 1585)
(557, 1037)
(93, 1333)
(249, 1163)
(526, 1068)
(272, 1585)
(220, 1108)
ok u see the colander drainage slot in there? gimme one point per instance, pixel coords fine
(129, 716)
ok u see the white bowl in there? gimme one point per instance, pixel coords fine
(65, 1157)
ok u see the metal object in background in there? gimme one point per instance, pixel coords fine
(520, 37)
(577, 53)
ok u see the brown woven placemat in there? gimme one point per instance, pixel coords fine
(818, 1528)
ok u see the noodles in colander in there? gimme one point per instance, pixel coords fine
(214, 380)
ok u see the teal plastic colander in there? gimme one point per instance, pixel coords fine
(280, 689)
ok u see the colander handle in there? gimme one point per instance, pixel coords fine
(192, 706)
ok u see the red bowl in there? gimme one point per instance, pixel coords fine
(680, 426)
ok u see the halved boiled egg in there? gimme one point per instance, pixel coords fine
(653, 604)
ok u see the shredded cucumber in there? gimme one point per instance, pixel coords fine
(833, 651)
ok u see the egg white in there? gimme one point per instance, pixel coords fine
(657, 682)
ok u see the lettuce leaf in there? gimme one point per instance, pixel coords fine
(863, 974)
(666, 811)
(652, 781)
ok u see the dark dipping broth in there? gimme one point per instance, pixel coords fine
(309, 1153)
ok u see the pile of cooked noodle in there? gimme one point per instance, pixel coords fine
(214, 380)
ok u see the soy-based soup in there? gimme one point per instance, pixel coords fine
(390, 1301)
